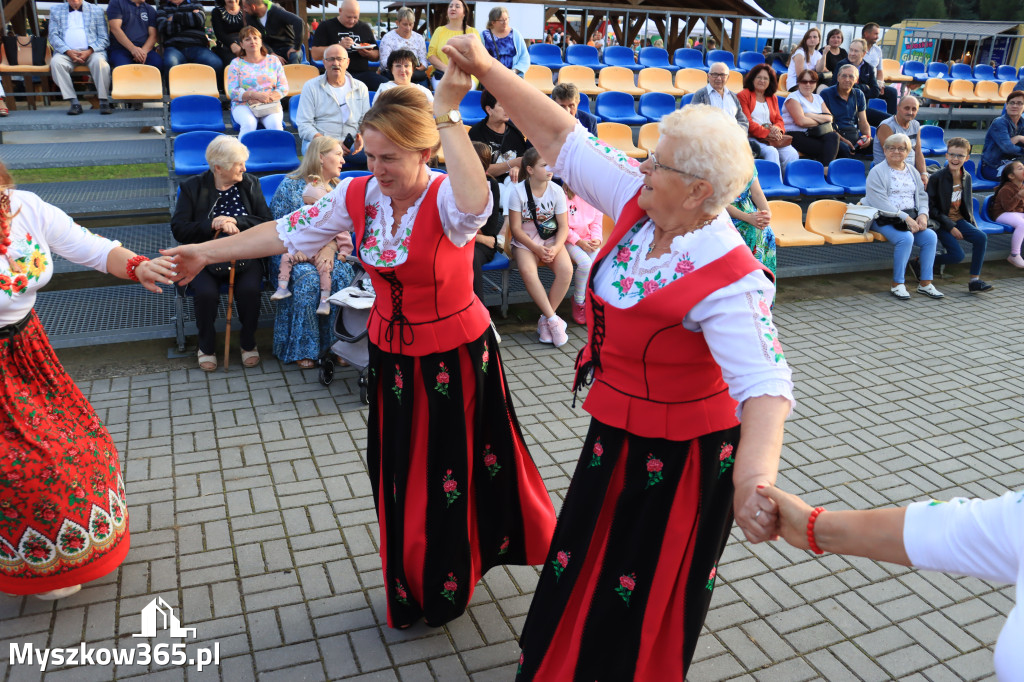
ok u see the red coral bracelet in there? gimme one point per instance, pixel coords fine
(810, 530)
(133, 263)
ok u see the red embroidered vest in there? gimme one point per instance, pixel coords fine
(425, 305)
(650, 375)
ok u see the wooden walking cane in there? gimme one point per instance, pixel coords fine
(227, 328)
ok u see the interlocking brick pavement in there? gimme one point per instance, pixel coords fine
(251, 513)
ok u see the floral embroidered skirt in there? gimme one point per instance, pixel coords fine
(299, 333)
(455, 488)
(628, 580)
(63, 519)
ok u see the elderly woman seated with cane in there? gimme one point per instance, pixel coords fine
(224, 200)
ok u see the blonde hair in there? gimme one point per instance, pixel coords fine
(899, 140)
(863, 44)
(311, 170)
(710, 146)
(403, 115)
(225, 151)
(405, 13)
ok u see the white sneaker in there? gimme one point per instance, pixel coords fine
(282, 292)
(930, 291)
(557, 327)
(543, 333)
(1016, 260)
(324, 307)
(900, 292)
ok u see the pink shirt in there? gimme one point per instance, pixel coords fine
(585, 221)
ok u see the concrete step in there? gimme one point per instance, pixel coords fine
(65, 155)
(106, 197)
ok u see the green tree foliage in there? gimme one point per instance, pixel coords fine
(930, 9)
(1001, 10)
(963, 9)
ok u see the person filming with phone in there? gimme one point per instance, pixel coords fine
(333, 105)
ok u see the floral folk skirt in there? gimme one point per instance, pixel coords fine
(455, 488)
(630, 573)
(63, 519)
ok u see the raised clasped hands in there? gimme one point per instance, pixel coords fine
(452, 87)
(468, 54)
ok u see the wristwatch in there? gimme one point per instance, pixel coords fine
(451, 118)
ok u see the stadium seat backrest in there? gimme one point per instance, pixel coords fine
(546, 55)
(136, 82)
(297, 75)
(788, 225)
(656, 105)
(617, 78)
(583, 55)
(913, 69)
(655, 79)
(848, 174)
(293, 108)
(691, 80)
(988, 91)
(749, 60)
(689, 58)
(685, 99)
(191, 113)
(724, 56)
(619, 55)
(581, 76)
(190, 152)
(937, 70)
(1005, 88)
(1005, 72)
(648, 138)
(964, 89)
(932, 140)
(656, 56)
(620, 136)
(734, 82)
(984, 72)
(541, 78)
(192, 79)
(962, 71)
(614, 104)
(584, 104)
(269, 185)
(470, 108)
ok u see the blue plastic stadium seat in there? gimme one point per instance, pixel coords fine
(655, 105)
(984, 72)
(500, 263)
(689, 58)
(779, 68)
(470, 108)
(270, 151)
(986, 224)
(293, 109)
(938, 70)
(724, 56)
(372, 94)
(618, 108)
(915, 70)
(685, 99)
(932, 142)
(1005, 72)
(978, 183)
(749, 60)
(809, 177)
(584, 104)
(962, 72)
(770, 176)
(353, 174)
(546, 55)
(619, 55)
(584, 55)
(877, 103)
(782, 101)
(848, 174)
(269, 185)
(985, 214)
(657, 57)
(190, 152)
(191, 113)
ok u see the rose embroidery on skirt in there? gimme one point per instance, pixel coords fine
(595, 457)
(725, 459)
(711, 578)
(401, 596)
(485, 358)
(451, 586)
(654, 467)
(503, 548)
(397, 386)
(491, 461)
(519, 670)
(451, 488)
(559, 563)
(627, 583)
(442, 379)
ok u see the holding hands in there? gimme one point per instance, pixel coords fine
(468, 54)
(152, 273)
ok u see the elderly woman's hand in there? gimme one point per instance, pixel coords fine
(922, 222)
(468, 53)
(324, 260)
(911, 224)
(757, 517)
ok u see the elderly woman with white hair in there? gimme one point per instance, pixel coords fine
(896, 190)
(689, 392)
(224, 200)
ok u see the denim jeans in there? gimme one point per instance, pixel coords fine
(903, 242)
(955, 254)
(194, 54)
(118, 56)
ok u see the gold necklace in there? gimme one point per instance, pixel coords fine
(650, 247)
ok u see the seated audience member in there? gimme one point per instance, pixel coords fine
(227, 21)
(761, 107)
(717, 95)
(866, 79)
(1007, 207)
(896, 188)
(486, 246)
(333, 105)
(504, 43)
(1004, 139)
(586, 235)
(460, 22)
(752, 217)
(255, 83)
(356, 37)
(223, 200)
(803, 111)
(403, 37)
(402, 65)
(567, 96)
(805, 56)
(905, 121)
(847, 105)
(951, 206)
(873, 56)
(132, 25)
(780, 55)
(833, 54)
(78, 36)
(4, 111)
(506, 142)
(280, 30)
(181, 25)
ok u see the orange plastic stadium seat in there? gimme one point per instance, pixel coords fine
(734, 82)
(1006, 88)
(893, 73)
(297, 75)
(691, 80)
(618, 79)
(192, 79)
(648, 137)
(136, 82)
(540, 77)
(788, 226)
(653, 79)
(964, 91)
(782, 82)
(582, 77)
(938, 89)
(620, 136)
(988, 91)
(825, 217)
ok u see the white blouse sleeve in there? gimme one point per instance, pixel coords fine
(460, 227)
(310, 227)
(66, 237)
(604, 176)
(735, 319)
(980, 538)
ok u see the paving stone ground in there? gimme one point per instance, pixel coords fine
(251, 513)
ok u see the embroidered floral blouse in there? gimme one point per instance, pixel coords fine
(311, 227)
(264, 76)
(736, 320)
(37, 231)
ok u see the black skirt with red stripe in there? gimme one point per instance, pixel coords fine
(629, 576)
(455, 488)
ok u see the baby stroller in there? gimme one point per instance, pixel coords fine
(354, 303)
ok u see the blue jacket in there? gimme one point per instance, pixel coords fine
(589, 121)
(998, 148)
(95, 22)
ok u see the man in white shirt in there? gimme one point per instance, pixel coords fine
(78, 36)
(717, 95)
(873, 56)
(333, 104)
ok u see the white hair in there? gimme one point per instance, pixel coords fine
(856, 71)
(711, 146)
(225, 151)
(898, 140)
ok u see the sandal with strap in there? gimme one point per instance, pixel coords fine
(207, 363)
(306, 363)
(250, 358)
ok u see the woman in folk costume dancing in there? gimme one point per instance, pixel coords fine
(689, 394)
(455, 488)
(63, 519)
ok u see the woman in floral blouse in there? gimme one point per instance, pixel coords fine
(456, 490)
(689, 392)
(256, 83)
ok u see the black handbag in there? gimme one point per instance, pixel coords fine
(222, 269)
(820, 130)
(20, 50)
